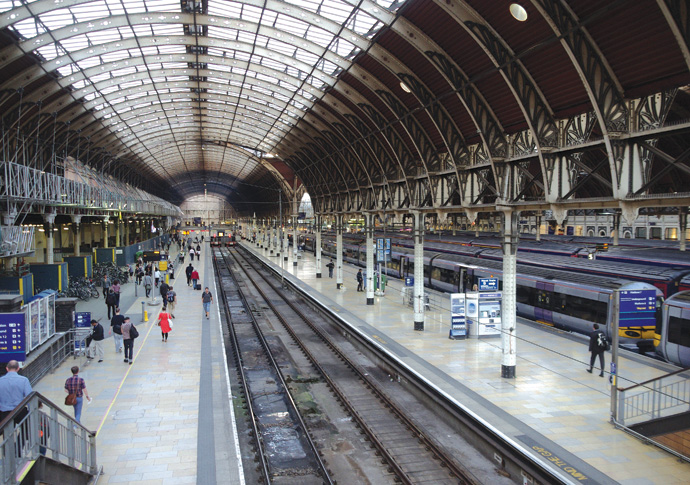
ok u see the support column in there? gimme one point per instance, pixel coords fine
(128, 228)
(76, 227)
(317, 219)
(369, 231)
(455, 224)
(286, 245)
(616, 227)
(682, 226)
(339, 251)
(538, 235)
(104, 236)
(508, 307)
(48, 225)
(118, 239)
(418, 298)
(295, 213)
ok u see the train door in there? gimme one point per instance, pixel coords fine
(542, 311)
(404, 266)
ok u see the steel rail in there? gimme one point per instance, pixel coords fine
(321, 465)
(243, 379)
(447, 461)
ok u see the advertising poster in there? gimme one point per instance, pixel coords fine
(43, 320)
(51, 315)
(34, 332)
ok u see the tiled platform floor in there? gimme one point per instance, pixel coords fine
(553, 403)
(148, 414)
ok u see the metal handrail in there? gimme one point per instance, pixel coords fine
(654, 379)
(38, 427)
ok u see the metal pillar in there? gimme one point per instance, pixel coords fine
(339, 251)
(683, 226)
(76, 227)
(509, 308)
(286, 245)
(295, 209)
(538, 236)
(118, 233)
(104, 235)
(317, 219)
(616, 227)
(369, 231)
(49, 223)
(418, 298)
(455, 224)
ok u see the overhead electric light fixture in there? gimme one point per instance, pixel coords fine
(404, 87)
(518, 11)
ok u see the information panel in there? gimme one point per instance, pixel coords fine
(637, 308)
(383, 250)
(12, 337)
(458, 324)
(488, 284)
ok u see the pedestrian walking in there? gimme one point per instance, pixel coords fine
(148, 284)
(106, 285)
(129, 333)
(116, 289)
(207, 299)
(360, 280)
(188, 271)
(165, 323)
(164, 288)
(191, 253)
(95, 348)
(156, 276)
(76, 385)
(172, 299)
(13, 389)
(116, 326)
(111, 302)
(330, 267)
(198, 252)
(195, 278)
(139, 272)
(597, 345)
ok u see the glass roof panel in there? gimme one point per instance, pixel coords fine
(253, 72)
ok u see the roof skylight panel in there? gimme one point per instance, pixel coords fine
(251, 13)
(319, 36)
(50, 51)
(162, 5)
(343, 48)
(225, 9)
(311, 5)
(135, 6)
(307, 57)
(336, 10)
(222, 33)
(55, 19)
(89, 62)
(361, 23)
(29, 28)
(89, 11)
(167, 29)
(281, 47)
(291, 25)
(244, 36)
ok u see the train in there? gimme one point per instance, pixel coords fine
(672, 337)
(223, 240)
(662, 270)
(556, 298)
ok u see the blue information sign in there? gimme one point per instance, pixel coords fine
(488, 284)
(409, 281)
(383, 249)
(12, 337)
(637, 308)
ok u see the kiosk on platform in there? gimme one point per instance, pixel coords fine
(484, 314)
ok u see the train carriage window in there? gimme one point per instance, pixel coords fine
(436, 274)
(410, 267)
(679, 331)
(427, 271)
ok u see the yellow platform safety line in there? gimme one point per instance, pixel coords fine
(545, 323)
(122, 382)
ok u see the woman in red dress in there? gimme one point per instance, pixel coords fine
(164, 321)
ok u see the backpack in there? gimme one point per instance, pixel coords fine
(133, 332)
(110, 299)
(602, 342)
(171, 296)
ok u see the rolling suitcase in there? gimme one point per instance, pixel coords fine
(198, 286)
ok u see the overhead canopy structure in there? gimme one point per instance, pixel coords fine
(372, 105)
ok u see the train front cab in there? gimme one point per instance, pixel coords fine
(672, 335)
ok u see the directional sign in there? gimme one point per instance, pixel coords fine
(488, 284)
(12, 337)
(637, 308)
(383, 249)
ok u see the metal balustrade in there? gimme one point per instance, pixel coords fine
(20, 183)
(43, 428)
(16, 240)
(657, 398)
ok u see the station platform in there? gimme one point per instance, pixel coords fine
(553, 409)
(168, 418)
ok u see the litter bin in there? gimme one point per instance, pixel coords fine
(383, 282)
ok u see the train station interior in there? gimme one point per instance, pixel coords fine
(484, 204)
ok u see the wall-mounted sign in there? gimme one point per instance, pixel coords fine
(488, 284)
(12, 337)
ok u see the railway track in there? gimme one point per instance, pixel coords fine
(410, 455)
(285, 451)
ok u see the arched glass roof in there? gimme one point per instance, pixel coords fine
(189, 86)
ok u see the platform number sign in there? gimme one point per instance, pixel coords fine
(637, 308)
(12, 337)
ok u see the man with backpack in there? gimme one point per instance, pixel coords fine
(597, 345)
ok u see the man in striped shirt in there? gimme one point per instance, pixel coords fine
(76, 385)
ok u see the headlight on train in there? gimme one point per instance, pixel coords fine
(632, 334)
